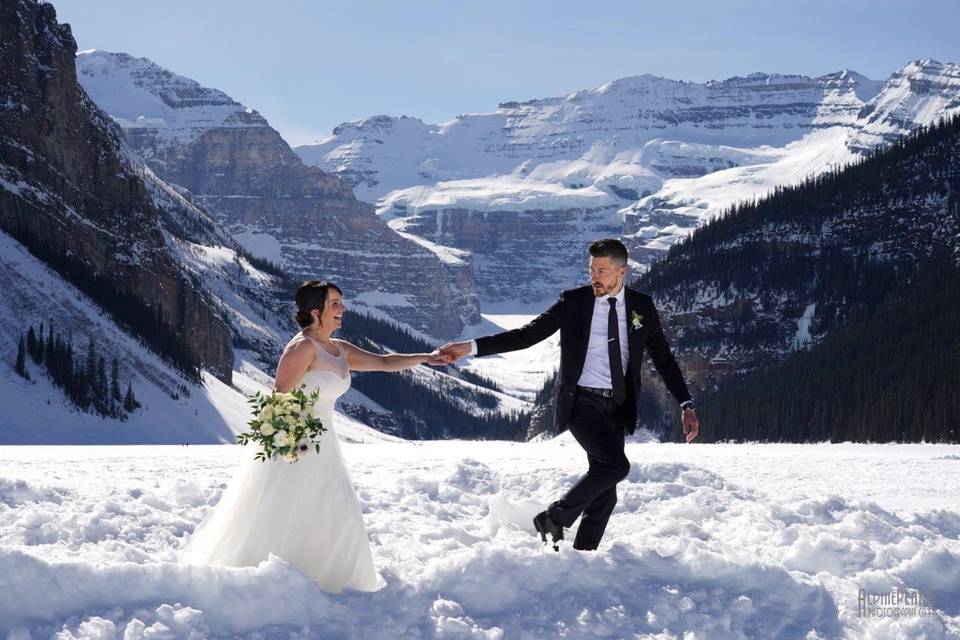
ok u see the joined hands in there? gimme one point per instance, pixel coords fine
(435, 359)
(448, 353)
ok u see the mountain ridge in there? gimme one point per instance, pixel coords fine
(643, 158)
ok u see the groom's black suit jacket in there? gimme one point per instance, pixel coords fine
(572, 314)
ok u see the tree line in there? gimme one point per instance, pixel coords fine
(126, 308)
(886, 301)
(891, 374)
(83, 377)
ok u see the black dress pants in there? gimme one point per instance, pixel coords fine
(597, 425)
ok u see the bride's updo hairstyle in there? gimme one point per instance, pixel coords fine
(312, 294)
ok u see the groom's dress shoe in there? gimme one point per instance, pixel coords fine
(544, 525)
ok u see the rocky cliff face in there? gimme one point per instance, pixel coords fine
(518, 255)
(67, 189)
(307, 220)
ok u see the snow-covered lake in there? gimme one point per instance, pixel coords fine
(707, 541)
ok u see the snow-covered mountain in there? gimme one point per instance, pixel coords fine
(116, 262)
(97, 247)
(644, 158)
(308, 221)
(919, 93)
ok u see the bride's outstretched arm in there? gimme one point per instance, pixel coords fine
(362, 360)
(294, 362)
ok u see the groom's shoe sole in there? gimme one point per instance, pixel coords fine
(544, 525)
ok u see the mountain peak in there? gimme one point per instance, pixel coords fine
(929, 68)
(139, 93)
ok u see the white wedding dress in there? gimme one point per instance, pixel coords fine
(306, 512)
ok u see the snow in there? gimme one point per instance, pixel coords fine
(610, 135)
(803, 336)
(701, 199)
(921, 92)
(262, 245)
(707, 541)
(499, 193)
(140, 94)
(448, 255)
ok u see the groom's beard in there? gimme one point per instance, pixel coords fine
(599, 290)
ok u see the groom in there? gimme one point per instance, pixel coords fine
(604, 330)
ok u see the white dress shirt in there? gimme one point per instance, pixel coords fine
(596, 367)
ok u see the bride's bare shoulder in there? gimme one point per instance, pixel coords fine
(298, 342)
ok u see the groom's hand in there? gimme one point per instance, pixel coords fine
(455, 350)
(437, 359)
(691, 425)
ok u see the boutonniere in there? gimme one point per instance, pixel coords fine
(636, 319)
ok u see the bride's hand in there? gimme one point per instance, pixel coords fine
(436, 359)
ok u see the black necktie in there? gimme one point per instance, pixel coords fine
(613, 350)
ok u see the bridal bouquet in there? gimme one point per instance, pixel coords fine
(283, 425)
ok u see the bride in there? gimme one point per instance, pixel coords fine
(306, 512)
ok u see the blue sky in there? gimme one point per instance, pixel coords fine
(308, 66)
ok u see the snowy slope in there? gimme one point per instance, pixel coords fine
(36, 412)
(681, 204)
(919, 93)
(709, 541)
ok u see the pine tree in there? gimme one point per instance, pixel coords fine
(90, 368)
(32, 343)
(41, 346)
(21, 365)
(82, 387)
(130, 403)
(115, 393)
(101, 389)
(49, 347)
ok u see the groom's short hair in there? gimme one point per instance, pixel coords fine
(609, 248)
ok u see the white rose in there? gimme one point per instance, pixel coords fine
(266, 414)
(281, 439)
(267, 429)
